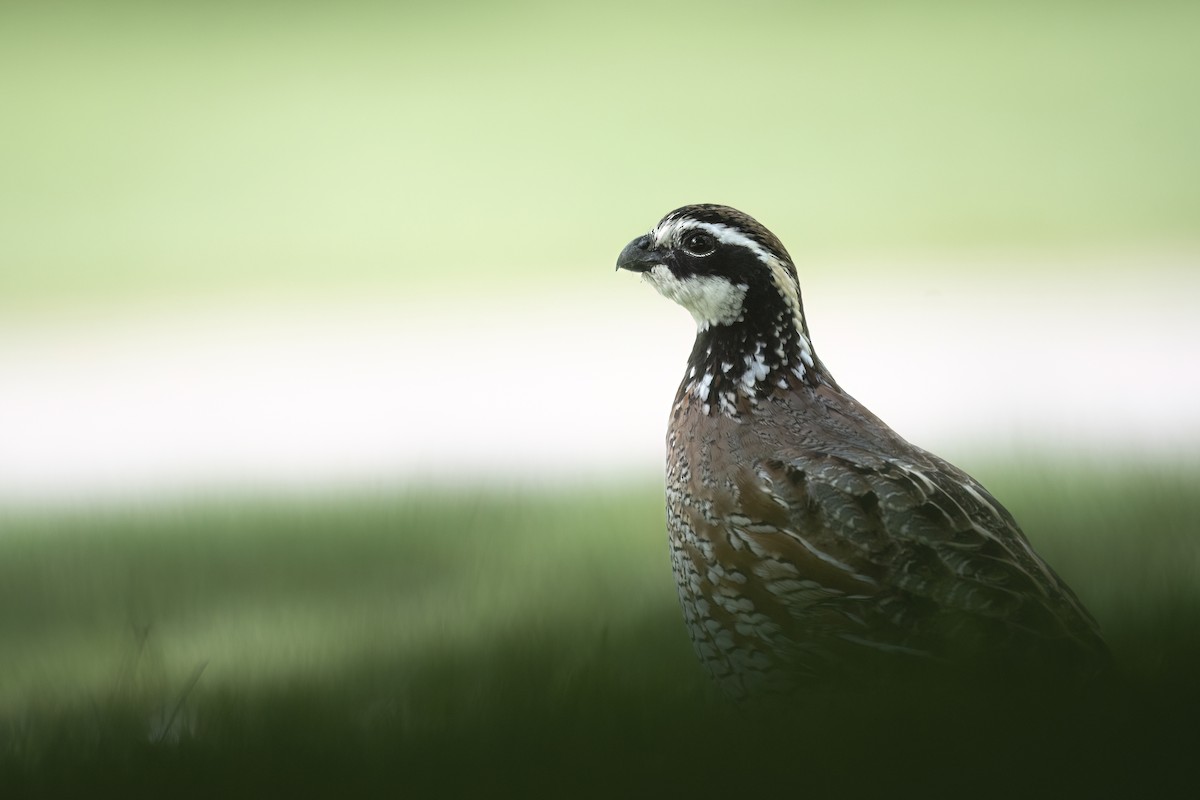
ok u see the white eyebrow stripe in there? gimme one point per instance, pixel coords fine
(778, 267)
(723, 234)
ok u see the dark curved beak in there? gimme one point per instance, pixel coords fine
(638, 255)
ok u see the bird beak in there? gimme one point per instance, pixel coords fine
(638, 255)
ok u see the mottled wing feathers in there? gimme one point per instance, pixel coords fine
(914, 558)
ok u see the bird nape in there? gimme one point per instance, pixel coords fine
(809, 541)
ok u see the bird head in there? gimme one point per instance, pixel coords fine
(739, 283)
(716, 262)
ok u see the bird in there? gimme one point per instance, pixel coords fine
(809, 541)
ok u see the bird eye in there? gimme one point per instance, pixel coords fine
(699, 243)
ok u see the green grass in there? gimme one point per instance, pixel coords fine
(529, 643)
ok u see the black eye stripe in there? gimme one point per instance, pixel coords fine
(699, 243)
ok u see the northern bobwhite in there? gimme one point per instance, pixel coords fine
(807, 537)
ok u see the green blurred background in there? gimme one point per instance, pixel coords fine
(159, 156)
(172, 148)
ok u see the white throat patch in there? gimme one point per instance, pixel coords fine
(711, 300)
(727, 235)
(757, 368)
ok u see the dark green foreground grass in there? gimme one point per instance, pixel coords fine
(526, 643)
